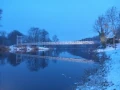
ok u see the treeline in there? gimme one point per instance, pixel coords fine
(10, 38)
(34, 35)
(95, 38)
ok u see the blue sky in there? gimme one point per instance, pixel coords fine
(68, 19)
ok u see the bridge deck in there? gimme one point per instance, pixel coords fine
(60, 43)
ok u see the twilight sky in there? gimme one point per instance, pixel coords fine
(68, 19)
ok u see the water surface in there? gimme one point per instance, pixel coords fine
(27, 73)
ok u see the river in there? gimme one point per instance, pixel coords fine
(22, 71)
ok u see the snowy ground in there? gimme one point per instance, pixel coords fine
(28, 48)
(107, 77)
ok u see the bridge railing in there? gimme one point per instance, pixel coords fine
(60, 43)
(21, 40)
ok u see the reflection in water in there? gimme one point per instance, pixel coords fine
(2, 58)
(34, 64)
(37, 60)
(12, 59)
(50, 73)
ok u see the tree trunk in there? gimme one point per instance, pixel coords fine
(103, 39)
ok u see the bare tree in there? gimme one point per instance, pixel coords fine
(101, 27)
(107, 25)
(2, 37)
(34, 34)
(37, 35)
(0, 13)
(44, 36)
(113, 18)
(12, 36)
(55, 38)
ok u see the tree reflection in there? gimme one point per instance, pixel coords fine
(12, 59)
(34, 64)
(102, 57)
(2, 58)
(88, 52)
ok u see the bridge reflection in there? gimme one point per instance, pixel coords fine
(19, 57)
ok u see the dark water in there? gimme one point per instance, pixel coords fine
(20, 72)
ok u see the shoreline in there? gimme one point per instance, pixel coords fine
(107, 76)
(22, 49)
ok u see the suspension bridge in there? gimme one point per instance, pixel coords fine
(21, 42)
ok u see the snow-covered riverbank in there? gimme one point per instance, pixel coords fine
(107, 76)
(26, 49)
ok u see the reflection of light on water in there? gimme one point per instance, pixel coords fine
(81, 60)
(65, 71)
(66, 76)
(67, 54)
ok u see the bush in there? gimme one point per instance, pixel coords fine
(110, 41)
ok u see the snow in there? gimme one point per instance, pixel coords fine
(109, 48)
(105, 50)
(114, 70)
(12, 48)
(43, 48)
(27, 48)
(107, 77)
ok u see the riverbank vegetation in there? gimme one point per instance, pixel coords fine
(107, 76)
(107, 26)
